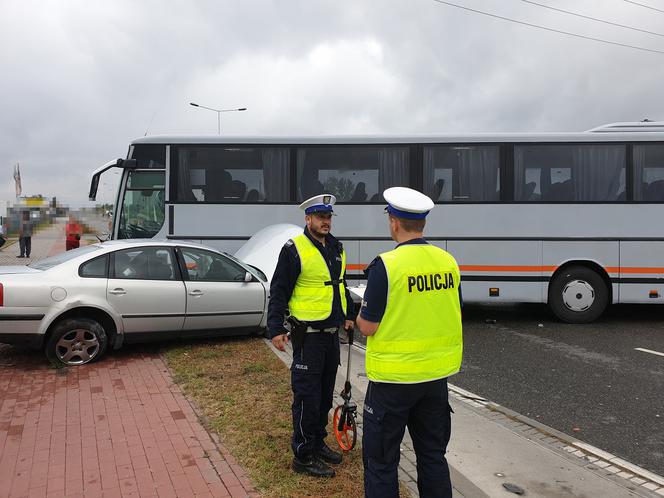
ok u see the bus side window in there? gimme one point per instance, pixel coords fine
(462, 173)
(649, 173)
(233, 174)
(569, 173)
(353, 174)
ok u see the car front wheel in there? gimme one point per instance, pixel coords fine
(76, 341)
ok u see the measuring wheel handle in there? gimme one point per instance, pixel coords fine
(350, 333)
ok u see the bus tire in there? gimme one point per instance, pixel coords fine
(76, 341)
(578, 294)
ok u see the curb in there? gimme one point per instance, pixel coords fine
(465, 486)
(600, 459)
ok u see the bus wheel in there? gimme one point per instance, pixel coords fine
(578, 295)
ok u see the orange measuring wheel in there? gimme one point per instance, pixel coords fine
(345, 428)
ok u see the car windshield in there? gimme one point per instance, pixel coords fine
(48, 263)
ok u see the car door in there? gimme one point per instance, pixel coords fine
(146, 289)
(217, 295)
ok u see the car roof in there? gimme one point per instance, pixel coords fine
(106, 247)
(129, 243)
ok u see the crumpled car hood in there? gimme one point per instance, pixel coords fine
(262, 250)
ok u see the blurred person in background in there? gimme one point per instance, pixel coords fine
(25, 235)
(73, 232)
(3, 232)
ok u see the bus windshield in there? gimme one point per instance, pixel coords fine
(142, 212)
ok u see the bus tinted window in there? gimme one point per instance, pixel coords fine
(649, 173)
(352, 174)
(150, 156)
(214, 174)
(569, 173)
(462, 173)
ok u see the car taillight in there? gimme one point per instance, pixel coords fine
(2, 295)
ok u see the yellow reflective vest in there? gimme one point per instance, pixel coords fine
(419, 338)
(314, 290)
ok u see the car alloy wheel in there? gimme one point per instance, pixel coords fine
(76, 341)
(77, 347)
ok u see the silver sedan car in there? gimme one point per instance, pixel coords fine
(79, 303)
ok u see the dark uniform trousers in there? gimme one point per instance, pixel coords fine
(313, 373)
(388, 409)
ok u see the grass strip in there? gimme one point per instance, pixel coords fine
(243, 390)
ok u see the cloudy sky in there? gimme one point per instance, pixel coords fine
(79, 79)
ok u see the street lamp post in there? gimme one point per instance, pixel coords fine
(218, 111)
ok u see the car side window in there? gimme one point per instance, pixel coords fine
(144, 263)
(95, 268)
(206, 266)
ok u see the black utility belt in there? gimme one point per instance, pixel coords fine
(329, 330)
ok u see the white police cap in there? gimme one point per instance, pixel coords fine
(403, 202)
(319, 204)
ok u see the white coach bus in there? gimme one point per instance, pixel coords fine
(575, 220)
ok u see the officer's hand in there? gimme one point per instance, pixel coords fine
(280, 341)
(349, 325)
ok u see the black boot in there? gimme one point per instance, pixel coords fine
(312, 466)
(328, 455)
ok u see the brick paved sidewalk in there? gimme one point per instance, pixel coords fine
(116, 428)
(45, 242)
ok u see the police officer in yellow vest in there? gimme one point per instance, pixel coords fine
(309, 281)
(411, 316)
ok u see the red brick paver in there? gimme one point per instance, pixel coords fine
(119, 427)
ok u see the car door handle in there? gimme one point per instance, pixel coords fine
(196, 293)
(118, 292)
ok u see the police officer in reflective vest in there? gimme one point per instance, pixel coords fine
(411, 315)
(309, 281)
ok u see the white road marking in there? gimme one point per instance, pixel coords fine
(649, 351)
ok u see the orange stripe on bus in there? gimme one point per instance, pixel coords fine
(507, 268)
(524, 269)
(636, 270)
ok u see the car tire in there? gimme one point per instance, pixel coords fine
(578, 294)
(76, 341)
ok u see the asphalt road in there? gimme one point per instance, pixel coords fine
(584, 380)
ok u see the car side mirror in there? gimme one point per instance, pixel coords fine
(248, 277)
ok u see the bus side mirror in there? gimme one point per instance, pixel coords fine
(127, 163)
(118, 163)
